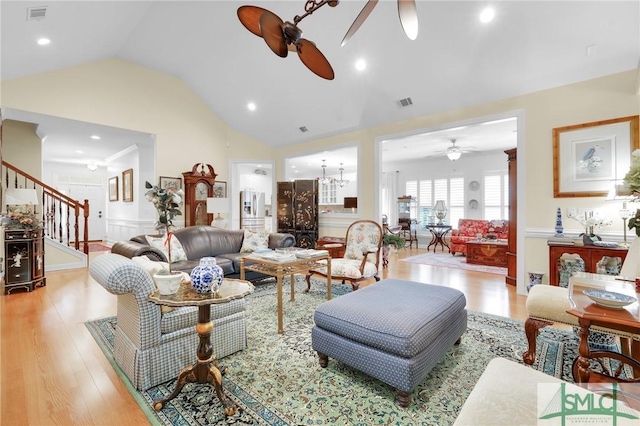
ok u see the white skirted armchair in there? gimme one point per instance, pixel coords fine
(361, 257)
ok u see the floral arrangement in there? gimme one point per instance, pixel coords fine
(591, 221)
(167, 202)
(19, 219)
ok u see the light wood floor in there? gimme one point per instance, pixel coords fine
(53, 372)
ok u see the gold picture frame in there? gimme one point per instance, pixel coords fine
(127, 185)
(113, 188)
(588, 157)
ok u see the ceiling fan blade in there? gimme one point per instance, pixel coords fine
(271, 30)
(314, 59)
(249, 16)
(408, 17)
(362, 16)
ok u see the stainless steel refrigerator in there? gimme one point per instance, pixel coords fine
(252, 212)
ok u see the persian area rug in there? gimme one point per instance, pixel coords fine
(277, 380)
(447, 260)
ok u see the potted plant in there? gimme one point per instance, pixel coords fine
(393, 240)
(167, 281)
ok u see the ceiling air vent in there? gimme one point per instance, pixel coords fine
(303, 129)
(36, 13)
(405, 102)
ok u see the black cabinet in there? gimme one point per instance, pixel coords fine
(24, 259)
(298, 211)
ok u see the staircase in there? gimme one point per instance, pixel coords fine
(61, 215)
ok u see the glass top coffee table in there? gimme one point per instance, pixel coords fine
(285, 265)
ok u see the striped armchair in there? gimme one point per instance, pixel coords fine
(152, 347)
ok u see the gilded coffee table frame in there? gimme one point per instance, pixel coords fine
(205, 369)
(279, 269)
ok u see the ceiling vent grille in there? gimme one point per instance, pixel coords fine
(303, 129)
(36, 13)
(402, 103)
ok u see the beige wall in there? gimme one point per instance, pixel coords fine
(117, 93)
(22, 147)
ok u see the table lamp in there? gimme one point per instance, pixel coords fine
(625, 214)
(218, 205)
(351, 203)
(441, 211)
(21, 197)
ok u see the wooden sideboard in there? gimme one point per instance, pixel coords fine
(590, 254)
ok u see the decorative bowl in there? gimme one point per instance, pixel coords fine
(610, 299)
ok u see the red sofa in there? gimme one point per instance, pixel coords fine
(468, 229)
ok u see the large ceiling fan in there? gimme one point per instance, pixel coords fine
(279, 35)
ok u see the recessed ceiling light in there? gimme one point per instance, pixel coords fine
(361, 65)
(251, 106)
(487, 15)
(96, 137)
(79, 152)
(43, 41)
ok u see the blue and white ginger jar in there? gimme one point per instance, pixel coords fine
(207, 276)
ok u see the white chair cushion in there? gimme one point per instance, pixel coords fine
(349, 268)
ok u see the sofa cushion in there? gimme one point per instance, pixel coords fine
(177, 252)
(254, 240)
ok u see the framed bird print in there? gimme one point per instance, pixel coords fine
(588, 158)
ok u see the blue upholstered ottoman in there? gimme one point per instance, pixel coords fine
(393, 330)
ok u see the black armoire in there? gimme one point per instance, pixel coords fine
(298, 211)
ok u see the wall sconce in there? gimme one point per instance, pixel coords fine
(218, 205)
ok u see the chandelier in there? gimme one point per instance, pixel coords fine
(324, 180)
(341, 183)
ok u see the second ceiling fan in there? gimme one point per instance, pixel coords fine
(279, 35)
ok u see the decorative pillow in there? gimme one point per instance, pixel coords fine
(254, 240)
(177, 252)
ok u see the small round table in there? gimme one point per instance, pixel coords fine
(438, 234)
(205, 370)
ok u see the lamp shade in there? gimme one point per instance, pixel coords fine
(20, 196)
(217, 205)
(440, 205)
(350, 202)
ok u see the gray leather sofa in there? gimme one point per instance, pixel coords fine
(203, 241)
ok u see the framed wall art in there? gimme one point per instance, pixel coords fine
(588, 157)
(170, 182)
(113, 188)
(219, 189)
(127, 185)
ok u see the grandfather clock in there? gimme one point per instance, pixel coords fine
(198, 186)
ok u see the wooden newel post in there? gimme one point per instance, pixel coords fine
(85, 249)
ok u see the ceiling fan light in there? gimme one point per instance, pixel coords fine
(454, 155)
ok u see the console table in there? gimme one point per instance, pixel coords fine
(590, 254)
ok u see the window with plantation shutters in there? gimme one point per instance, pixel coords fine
(496, 195)
(429, 191)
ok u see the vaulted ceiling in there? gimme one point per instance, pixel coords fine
(455, 61)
